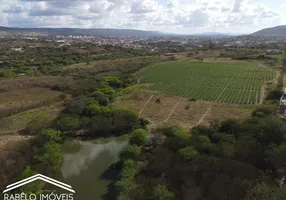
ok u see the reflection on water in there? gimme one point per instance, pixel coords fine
(83, 169)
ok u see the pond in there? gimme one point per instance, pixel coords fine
(86, 163)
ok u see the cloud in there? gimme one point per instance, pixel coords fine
(237, 5)
(159, 15)
(144, 6)
(283, 6)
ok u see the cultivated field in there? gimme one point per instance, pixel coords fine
(225, 82)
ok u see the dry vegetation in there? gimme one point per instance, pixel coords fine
(17, 122)
(20, 100)
(178, 110)
(29, 82)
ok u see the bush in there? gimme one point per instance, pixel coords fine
(266, 109)
(124, 121)
(138, 137)
(51, 135)
(188, 153)
(130, 152)
(161, 192)
(31, 188)
(100, 97)
(94, 109)
(274, 94)
(77, 105)
(68, 123)
(109, 92)
(52, 156)
(112, 81)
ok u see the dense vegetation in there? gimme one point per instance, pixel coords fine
(46, 60)
(235, 159)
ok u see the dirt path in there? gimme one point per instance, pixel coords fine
(204, 115)
(172, 110)
(146, 104)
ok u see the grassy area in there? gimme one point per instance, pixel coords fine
(20, 100)
(226, 82)
(17, 122)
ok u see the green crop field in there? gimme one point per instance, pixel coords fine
(228, 82)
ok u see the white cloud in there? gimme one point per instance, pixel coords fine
(168, 15)
(144, 6)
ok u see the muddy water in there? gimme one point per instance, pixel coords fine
(85, 166)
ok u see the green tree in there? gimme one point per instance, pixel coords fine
(131, 151)
(100, 97)
(33, 187)
(51, 135)
(94, 109)
(125, 121)
(161, 192)
(52, 156)
(138, 137)
(108, 91)
(68, 123)
(188, 153)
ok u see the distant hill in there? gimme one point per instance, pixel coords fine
(215, 34)
(275, 31)
(87, 32)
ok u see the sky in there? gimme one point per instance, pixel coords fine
(171, 16)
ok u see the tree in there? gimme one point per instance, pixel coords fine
(131, 151)
(138, 137)
(125, 121)
(51, 135)
(52, 156)
(161, 192)
(112, 81)
(68, 123)
(100, 97)
(188, 153)
(108, 91)
(33, 187)
(93, 109)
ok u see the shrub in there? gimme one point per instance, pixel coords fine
(100, 97)
(31, 188)
(130, 152)
(266, 109)
(161, 192)
(94, 109)
(51, 135)
(188, 153)
(274, 94)
(124, 120)
(129, 169)
(68, 123)
(108, 91)
(138, 137)
(52, 156)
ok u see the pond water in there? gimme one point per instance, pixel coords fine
(86, 163)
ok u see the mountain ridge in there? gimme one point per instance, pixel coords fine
(272, 31)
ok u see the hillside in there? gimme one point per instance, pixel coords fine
(77, 31)
(274, 31)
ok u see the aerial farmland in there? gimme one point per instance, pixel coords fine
(225, 82)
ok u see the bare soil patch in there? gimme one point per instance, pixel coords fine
(186, 113)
